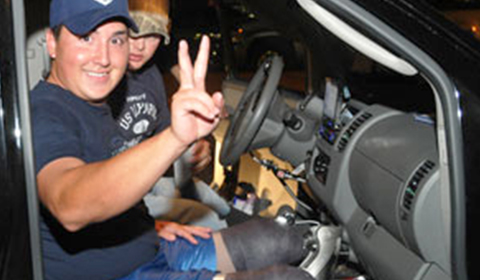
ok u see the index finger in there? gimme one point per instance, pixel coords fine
(185, 66)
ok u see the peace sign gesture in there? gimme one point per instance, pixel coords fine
(194, 112)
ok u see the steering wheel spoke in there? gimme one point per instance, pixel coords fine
(251, 111)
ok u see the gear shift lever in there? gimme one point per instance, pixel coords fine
(285, 216)
(322, 244)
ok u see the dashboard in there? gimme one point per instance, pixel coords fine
(372, 172)
(376, 171)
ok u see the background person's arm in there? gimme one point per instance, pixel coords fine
(175, 71)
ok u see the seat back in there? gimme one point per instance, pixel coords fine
(38, 60)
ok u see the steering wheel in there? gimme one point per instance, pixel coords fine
(251, 110)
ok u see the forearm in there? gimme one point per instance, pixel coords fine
(89, 193)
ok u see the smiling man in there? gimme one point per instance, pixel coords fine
(91, 198)
(94, 224)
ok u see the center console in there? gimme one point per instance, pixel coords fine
(376, 171)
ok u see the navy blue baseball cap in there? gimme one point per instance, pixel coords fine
(83, 16)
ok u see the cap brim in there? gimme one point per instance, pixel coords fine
(84, 23)
(166, 36)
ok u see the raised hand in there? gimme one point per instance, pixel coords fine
(194, 112)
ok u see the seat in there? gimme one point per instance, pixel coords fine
(38, 60)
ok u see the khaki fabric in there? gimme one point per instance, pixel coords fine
(151, 17)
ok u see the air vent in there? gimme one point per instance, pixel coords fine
(412, 187)
(347, 135)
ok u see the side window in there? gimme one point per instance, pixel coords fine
(191, 20)
(374, 83)
(463, 13)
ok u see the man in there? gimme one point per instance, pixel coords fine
(90, 184)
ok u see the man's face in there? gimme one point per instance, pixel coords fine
(142, 50)
(90, 66)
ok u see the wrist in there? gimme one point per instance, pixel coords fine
(177, 141)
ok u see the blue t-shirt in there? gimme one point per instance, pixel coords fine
(139, 105)
(67, 126)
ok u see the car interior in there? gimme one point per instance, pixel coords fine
(367, 145)
(365, 141)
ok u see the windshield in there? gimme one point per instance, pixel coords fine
(464, 13)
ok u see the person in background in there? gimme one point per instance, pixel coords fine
(141, 109)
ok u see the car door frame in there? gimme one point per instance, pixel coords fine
(447, 92)
(20, 256)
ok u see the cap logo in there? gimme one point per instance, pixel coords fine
(104, 2)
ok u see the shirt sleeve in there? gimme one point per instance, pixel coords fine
(54, 134)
